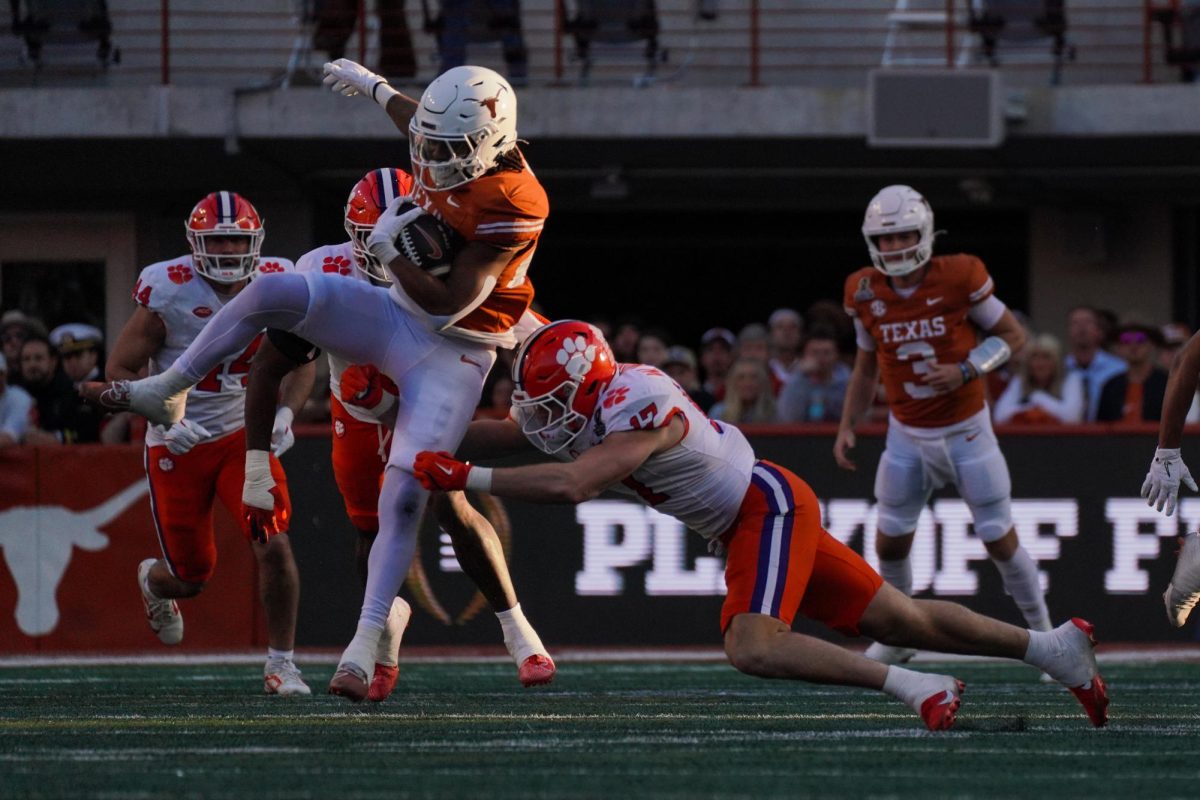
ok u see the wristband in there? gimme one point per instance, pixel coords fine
(284, 415)
(258, 464)
(479, 479)
(382, 92)
(965, 368)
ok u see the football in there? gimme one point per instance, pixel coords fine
(428, 242)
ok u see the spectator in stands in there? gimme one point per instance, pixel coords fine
(652, 347)
(680, 364)
(830, 314)
(80, 349)
(1135, 395)
(716, 356)
(1175, 336)
(55, 398)
(15, 328)
(338, 19)
(1043, 390)
(500, 398)
(816, 393)
(625, 339)
(16, 406)
(754, 342)
(454, 28)
(1085, 338)
(786, 327)
(749, 397)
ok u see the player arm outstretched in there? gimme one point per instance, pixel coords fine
(1167, 470)
(860, 395)
(608, 463)
(351, 78)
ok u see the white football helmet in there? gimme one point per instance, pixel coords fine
(466, 120)
(899, 209)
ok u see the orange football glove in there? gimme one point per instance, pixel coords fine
(440, 472)
(266, 522)
(363, 385)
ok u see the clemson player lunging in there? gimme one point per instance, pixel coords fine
(434, 337)
(363, 409)
(199, 457)
(917, 317)
(632, 429)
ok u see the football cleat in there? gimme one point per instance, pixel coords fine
(147, 397)
(350, 681)
(537, 670)
(162, 614)
(281, 676)
(383, 682)
(887, 654)
(1183, 592)
(940, 710)
(1074, 666)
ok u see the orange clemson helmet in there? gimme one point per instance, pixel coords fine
(213, 229)
(560, 372)
(369, 198)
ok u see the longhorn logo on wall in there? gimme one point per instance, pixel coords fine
(423, 589)
(38, 543)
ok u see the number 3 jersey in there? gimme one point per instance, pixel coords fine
(932, 325)
(186, 302)
(702, 480)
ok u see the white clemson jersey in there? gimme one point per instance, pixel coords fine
(337, 259)
(702, 480)
(185, 302)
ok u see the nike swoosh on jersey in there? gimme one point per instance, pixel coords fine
(929, 301)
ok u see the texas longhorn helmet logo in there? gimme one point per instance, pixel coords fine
(490, 104)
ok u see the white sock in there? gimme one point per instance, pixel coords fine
(898, 573)
(388, 650)
(519, 636)
(914, 688)
(1043, 647)
(175, 380)
(1020, 576)
(280, 655)
(361, 650)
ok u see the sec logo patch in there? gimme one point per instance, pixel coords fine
(878, 308)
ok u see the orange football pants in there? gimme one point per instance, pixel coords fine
(360, 452)
(780, 560)
(182, 491)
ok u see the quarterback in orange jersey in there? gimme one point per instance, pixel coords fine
(434, 336)
(919, 321)
(199, 457)
(631, 429)
(363, 409)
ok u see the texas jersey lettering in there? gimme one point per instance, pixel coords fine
(913, 333)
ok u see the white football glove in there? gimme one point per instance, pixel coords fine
(256, 490)
(184, 435)
(351, 78)
(382, 241)
(282, 437)
(1162, 481)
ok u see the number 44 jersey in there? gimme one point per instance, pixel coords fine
(912, 332)
(702, 480)
(185, 302)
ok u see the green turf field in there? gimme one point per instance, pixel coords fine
(681, 730)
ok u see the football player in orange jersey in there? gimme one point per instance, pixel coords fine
(363, 405)
(919, 319)
(435, 337)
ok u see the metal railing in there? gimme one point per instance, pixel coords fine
(822, 43)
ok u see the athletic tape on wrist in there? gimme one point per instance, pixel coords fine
(479, 479)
